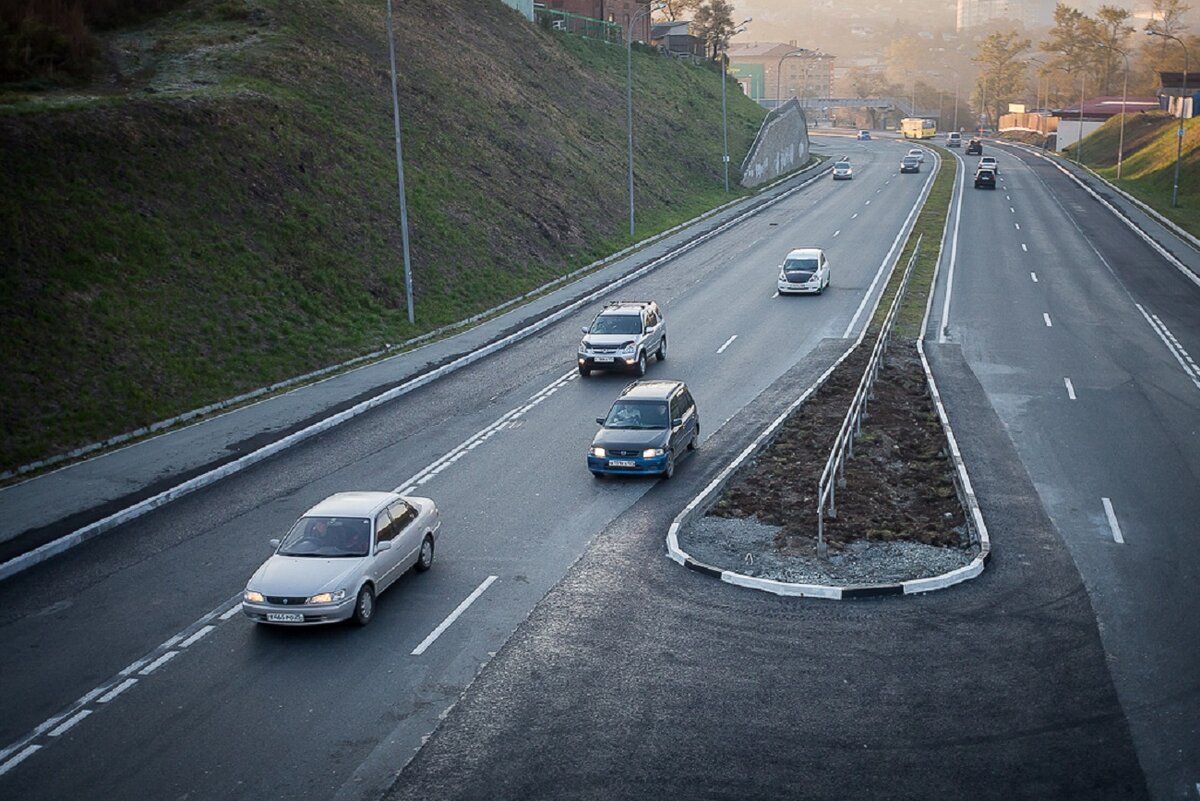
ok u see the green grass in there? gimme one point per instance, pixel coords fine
(1148, 166)
(239, 225)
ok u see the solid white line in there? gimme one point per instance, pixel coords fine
(197, 636)
(18, 759)
(115, 691)
(68, 724)
(1177, 350)
(1024, 248)
(445, 624)
(953, 260)
(1034, 277)
(1046, 317)
(728, 342)
(1112, 521)
(1070, 389)
(157, 663)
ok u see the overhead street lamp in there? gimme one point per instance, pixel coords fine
(798, 53)
(1124, 97)
(724, 114)
(1038, 100)
(629, 94)
(408, 291)
(1182, 107)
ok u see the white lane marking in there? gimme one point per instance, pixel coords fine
(1011, 210)
(68, 724)
(1034, 277)
(171, 642)
(157, 663)
(868, 203)
(728, 342)
(1024, 247)
(19, 758)
(115, 691)
(855, 214)
(230, 612)
(1017, 225)
(945, 327)
(838, 231)
(445, 624)
(1070, 389)
(197, 636)
(1112, 521)
(1046, 317)
(134, 667)
(1177, 350)
(776, 294)
(1008, 197)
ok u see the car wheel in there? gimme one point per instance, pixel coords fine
(364, 606)
(640, 367)
(662, 350)
(583, 371)
(425, 557)
(670, 469)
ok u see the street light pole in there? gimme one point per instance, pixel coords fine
(1124, 97)
(1079, 144)
(724, 113)
(798, 52)
(408, 290)
(1182, 108)
(629, 97)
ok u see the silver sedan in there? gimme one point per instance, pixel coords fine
(339, 556)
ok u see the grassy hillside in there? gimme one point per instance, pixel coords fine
(218, 211)
(1148, 167)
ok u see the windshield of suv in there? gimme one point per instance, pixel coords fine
(637, 415)
(842, 165)
(617, 324)
(328, 537)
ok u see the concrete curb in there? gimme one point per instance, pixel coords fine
(699, 504)
(79, 536)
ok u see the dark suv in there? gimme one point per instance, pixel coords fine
(974, 148)
(648, 427)
(623, 337)
(985, 178)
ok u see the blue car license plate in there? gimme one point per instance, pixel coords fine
(622, 463)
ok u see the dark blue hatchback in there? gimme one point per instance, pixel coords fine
(649, 426)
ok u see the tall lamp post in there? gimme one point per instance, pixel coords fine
(799, 52)
(1182, 108)
(629, 95)
(724, 113)
(1038, 99)
(1124, 97)
(1082, 92)
(408, 292)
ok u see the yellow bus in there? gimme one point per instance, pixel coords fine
(918, 128)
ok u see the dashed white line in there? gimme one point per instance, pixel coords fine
(1024, 247)
(1070, 389)
(197, 636)
(838, 231)
(1046, 317)
(1177, 350)
(868, 203)
(230, 612)
(157, 663)
(776, 294)
(1034, 277)
(1018, 226)
(855, 214)
(19, 758)
(69, 723)
(115, 691)
(445, 624)
(728, 342)
(1011, 210)
(1112, 521)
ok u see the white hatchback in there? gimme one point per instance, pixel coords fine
(804, 271)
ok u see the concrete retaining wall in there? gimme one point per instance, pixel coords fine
(780, 147)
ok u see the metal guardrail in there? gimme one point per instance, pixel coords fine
(843, 445)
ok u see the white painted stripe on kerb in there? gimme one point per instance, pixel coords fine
(157, 663)
(115, 691)
(445, 624)
(197, 636)
(1112, 521)
(728, 342)
(69, 723)
(19, 758)
(1046, 317)
(1070, 389)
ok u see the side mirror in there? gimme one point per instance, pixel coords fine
(274, 542)
(583, 329)
(380, 547)
(600, 420)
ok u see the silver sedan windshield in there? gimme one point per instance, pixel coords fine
(328, 537)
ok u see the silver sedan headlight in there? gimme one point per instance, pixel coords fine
(327, 597)
(253, 596)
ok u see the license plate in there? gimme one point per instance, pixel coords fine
(622, 463)
(599, 359)
(285, 617)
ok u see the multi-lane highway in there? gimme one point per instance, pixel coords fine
(555, 652)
